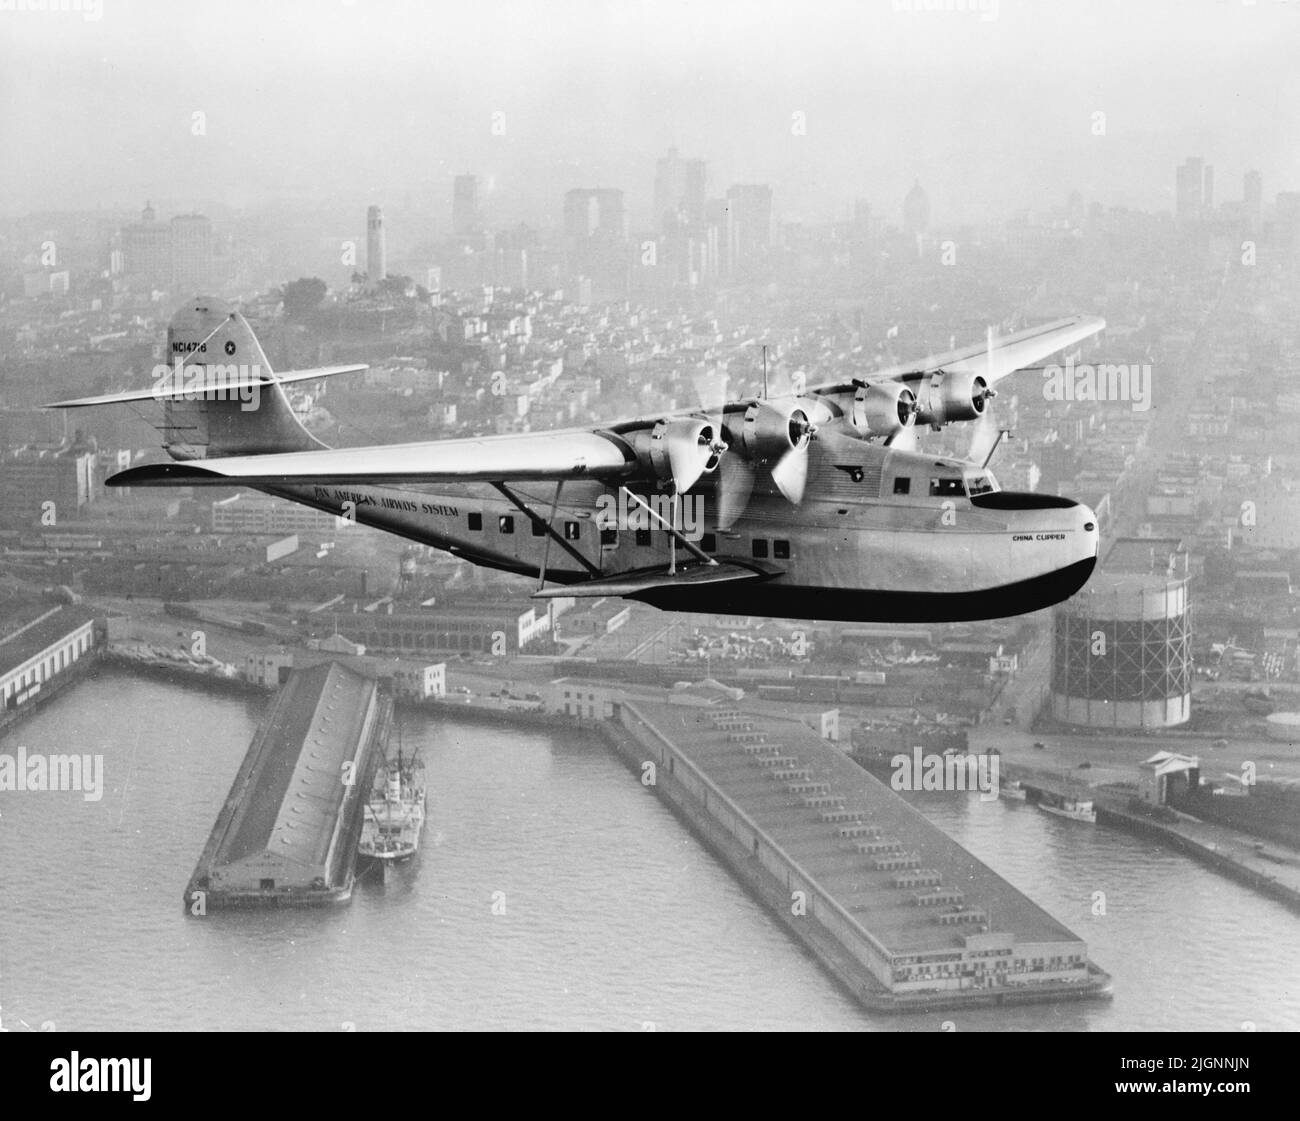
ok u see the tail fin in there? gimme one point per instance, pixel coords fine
(242, 410)
(218, 392)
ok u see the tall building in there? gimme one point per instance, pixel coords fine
(465, 217)
(1189, 189)
(147, 251)
(33, 478)
(595, 234)
(750, 209)
(1253, 199)
(596, 213)
(1207, 191)
(916, 211)
(679, 192)
(376, 251)
(191, 255)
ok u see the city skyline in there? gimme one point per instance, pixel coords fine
(586, 97)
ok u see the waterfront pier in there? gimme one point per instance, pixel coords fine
(893, 907)
(287, 832)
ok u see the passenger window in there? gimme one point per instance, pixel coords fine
(760, 548)
(571, 531)
(643, 537)
(902, 485)
(476, 521)
(945, 488)
(506, 523)
(609, 537)
(709, 543)
(781, 550)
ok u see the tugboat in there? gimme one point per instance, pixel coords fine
(394, 816)
(1076, 809)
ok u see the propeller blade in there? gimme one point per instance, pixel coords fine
(690, 455)
(735, 485)
(904, 439)
(984, 435)
(790, 474)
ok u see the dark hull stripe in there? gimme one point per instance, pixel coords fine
(861, 606)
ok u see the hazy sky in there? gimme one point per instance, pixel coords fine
(381, 98)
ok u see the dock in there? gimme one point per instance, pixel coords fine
(287, 832)
(891, 906)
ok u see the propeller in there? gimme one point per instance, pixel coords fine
(774, 436)
(685, 449)
(985, 432)
(735, 485)
(735, 476)
(790, 473)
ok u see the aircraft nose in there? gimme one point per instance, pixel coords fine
(1086, 521)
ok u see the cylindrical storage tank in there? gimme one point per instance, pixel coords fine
(1122, 654)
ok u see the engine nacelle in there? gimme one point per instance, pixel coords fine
(883, 410)
(679, 450)
(769, 431)
(953, 396)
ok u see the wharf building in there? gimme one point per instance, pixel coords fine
(454, 629)
(37, 653)
(894, 908)
(287, 833)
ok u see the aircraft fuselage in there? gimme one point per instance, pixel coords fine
(880, 535)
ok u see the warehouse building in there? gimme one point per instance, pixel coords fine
(287, 833)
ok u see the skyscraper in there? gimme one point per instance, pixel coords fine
(916, 211)
(596, 213)
(376, 251)
(1189, 189)
(147, 251)
(1253, 199)
(191, 254)
(595, 234)
(679, 192)
(750, 209)
(465, 218)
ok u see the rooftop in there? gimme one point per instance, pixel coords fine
(889, 913)
(294, 789)
(19, 647)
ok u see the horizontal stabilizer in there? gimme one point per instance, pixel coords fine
(646, 580)
(205, 380)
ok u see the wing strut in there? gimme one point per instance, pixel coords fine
(551, 535)
(677, 534)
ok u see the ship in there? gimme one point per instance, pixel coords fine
(1013, 791)
(394, 815)
(1076, 809)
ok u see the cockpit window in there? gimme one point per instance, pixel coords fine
(947, 488)
(979, 484)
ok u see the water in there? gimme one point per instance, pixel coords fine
(614, 916)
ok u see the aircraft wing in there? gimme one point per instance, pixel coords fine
(1003, 356)
(522, 457)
